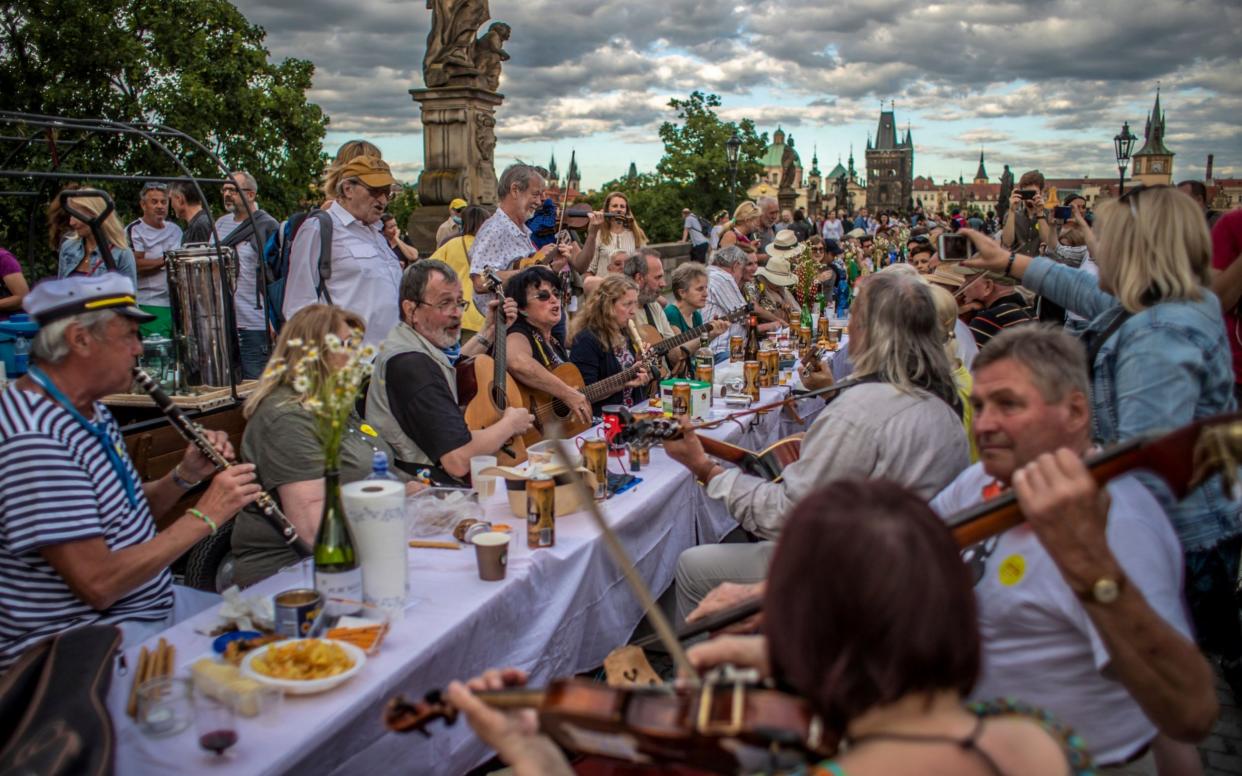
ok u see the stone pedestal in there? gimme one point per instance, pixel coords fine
(459, 137)
(787, 199)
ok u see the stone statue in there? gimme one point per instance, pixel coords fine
(449, 58)
(1006, 191)
(788, 167)
(485, 135)
(489, 53)
(843, 191)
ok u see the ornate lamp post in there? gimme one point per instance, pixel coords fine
(733, 146)
(1123, 144)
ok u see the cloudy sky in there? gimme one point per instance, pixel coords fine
(1035, 84)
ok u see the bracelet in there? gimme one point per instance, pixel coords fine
(484, 341)
(210, 523)
(1009, 267)
(182, 482)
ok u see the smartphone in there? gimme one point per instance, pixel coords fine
(955, 247)
(1063, 213)
(1026, 194)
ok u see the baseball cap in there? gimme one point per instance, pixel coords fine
(457, 204)
(371, 171)
(52, 300)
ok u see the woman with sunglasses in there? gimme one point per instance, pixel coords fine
(1159, 358)
(602, 346)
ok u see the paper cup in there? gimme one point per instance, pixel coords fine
(484, 484)
(491, 549)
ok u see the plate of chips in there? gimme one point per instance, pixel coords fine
(304, 666)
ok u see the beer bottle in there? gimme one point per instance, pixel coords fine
(704, 361)
(752, 339)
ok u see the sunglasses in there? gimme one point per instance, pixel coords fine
(543, 295)
(154, 186)
(1131, 196)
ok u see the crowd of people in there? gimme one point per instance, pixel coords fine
(1082, 638)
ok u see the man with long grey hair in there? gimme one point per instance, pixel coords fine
(900, 422)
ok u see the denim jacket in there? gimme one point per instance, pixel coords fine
(1166, 366)
(71, 251)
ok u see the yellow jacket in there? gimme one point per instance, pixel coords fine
(455, 254)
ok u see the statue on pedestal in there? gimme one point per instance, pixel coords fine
(454, 56)
(1006, 191)
(788, 167)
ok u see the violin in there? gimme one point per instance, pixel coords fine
(625, 219)
(699, 726)
(576, 216)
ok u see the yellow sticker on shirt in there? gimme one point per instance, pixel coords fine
(367, 429)
(1011, 570)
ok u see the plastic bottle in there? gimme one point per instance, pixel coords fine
(379, 467)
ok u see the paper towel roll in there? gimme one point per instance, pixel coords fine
(376, 513)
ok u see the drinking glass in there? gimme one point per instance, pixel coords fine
(216, 723)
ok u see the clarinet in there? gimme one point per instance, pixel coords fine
(194, 434)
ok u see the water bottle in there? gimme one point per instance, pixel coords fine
(379, 467)
(21, 354)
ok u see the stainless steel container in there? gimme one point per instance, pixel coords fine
(201, 280)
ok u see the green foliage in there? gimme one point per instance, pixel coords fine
(694, 171)
(402, 205)
(194, 65)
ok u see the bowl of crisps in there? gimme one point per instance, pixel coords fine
(304, 666)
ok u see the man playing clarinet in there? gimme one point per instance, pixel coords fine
(78, 541)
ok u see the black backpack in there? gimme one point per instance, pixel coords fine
(276, 261)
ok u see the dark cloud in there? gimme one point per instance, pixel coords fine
(1073, 68)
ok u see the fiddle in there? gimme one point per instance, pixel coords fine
(625, 219)
(699, 726)
(576, 216)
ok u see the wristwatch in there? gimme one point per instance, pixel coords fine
(1104, 590)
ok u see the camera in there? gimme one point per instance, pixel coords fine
(1063, 213)
(955, 247)
(1027, 194)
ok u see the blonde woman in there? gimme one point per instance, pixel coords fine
(1159, 359)
(746, 218)
(349, 150)
(602, 346)
(280, 440)
(79, 255)
(612, 229)
(946, 311)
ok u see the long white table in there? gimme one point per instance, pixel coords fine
(559, 611)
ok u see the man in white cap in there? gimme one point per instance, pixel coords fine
(452, 225)
(79, 544)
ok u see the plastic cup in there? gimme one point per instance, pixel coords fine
(484, 484)
(491, 549)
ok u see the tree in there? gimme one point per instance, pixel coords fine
(694, 154)
(656, 203)
(195, 65)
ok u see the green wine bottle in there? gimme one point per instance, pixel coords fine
(337, 573)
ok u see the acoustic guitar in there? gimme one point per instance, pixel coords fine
(548, 409)
(485, 389)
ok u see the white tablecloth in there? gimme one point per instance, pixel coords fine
(559, 611)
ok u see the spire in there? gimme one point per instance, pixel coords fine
(633, 171)
(851, 167)
(981, 175)
(1153, 135)
(552, 167)
(868, 140)
(814, 172)
(572, 177)
(909, 140)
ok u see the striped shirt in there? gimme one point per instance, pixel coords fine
(1007, 311)
(59, 487)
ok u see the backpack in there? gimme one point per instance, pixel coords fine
(705, 228)
(276, 261)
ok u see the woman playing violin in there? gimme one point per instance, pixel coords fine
(608, 231)
(897, 700)
(601, 345)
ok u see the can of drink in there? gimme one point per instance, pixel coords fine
(705, 373)
(750, 371)
(595, 457)
(296, 611)
(735, 349)
(773, 361)
(804, 336)
(762, 360)
(681, 399)
(644, 453)
(540, 511)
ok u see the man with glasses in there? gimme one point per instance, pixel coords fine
(1080, 608)
(149, 237)
(245, 228)
(413, 400)
(352, 267)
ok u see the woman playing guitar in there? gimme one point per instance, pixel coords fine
(600, 345)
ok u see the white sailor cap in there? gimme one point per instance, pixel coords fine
(55, 299)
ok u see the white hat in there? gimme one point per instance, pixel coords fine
(784, 246)
(54, 299)
(856, 233)
(778, 272)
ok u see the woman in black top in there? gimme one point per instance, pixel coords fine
(532, 348)
(601, 345)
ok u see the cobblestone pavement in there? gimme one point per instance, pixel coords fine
(1222, 751)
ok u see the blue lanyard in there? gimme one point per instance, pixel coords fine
(97, 430)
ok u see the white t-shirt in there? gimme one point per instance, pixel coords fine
(1040, 646)
(247, 309)
(153, 287)
(696, 235)
(621, 241)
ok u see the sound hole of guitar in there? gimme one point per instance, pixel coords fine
(498, 397)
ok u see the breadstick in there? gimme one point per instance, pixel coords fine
(417, 543)
(131, 708)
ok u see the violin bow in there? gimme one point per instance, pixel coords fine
(619, 556)
(560, 215)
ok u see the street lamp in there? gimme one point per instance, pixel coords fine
(733, 147)
(1123, 144)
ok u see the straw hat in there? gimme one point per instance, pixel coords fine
(784, 246)
(778, 272)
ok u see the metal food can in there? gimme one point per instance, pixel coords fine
(773, 359)
(682, 396)
(540, 512)
(735, 348)
(595, 457)
(705, 373)
(750, 370)
(764, 377)
(804, 336)
(296, 611)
